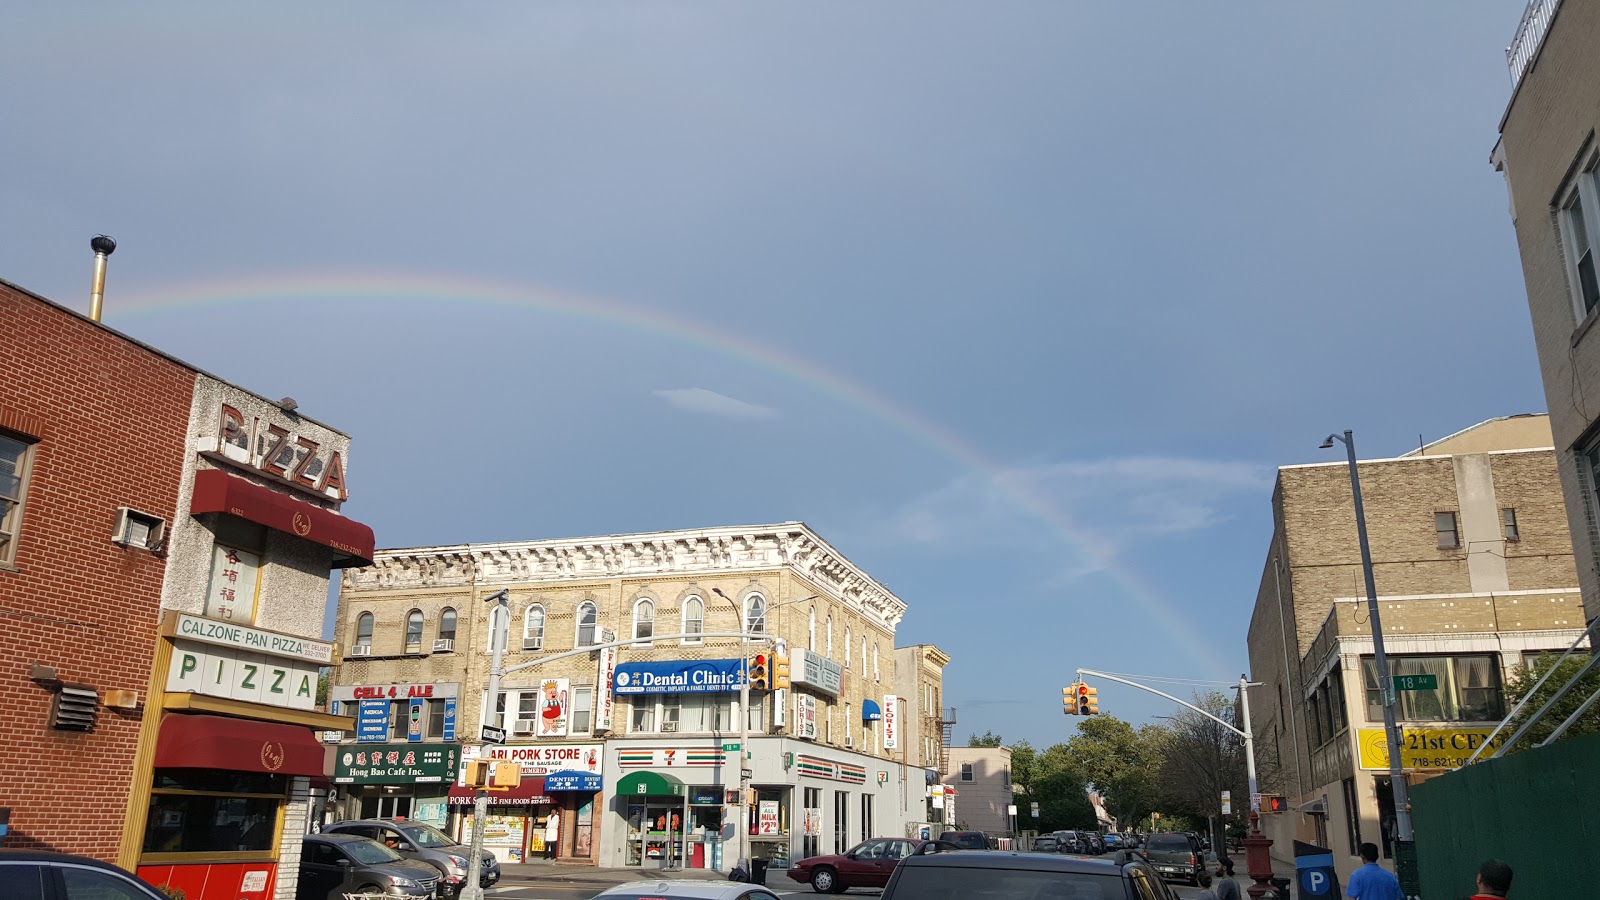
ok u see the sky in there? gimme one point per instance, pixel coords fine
(1018, 304)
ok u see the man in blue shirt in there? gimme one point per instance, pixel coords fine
(1372, 881)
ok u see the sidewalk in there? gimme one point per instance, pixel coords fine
(536, 871)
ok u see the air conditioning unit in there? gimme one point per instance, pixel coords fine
(139, 530)
(533, 643)
(360, 650)
(444, 645)
(524, 726)
(850, 741)
(669, 726)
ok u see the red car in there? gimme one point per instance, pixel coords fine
(867, 864)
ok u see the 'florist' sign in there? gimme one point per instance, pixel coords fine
(891, 722)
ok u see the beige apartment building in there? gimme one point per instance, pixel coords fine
(978, 790)
(919, 682)
(635, 748)
(1474, 571)
(1548, 153)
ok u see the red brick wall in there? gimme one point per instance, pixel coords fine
(112, 418)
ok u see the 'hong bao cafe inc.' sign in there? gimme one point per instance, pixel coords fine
(396, 764)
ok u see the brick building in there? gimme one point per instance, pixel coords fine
(1473, 566)
(1551, 162)
(167, 539)
(623, 744)
(919, 681)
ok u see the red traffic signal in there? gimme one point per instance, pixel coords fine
(1274, 803)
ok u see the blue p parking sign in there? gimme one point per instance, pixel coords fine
(1314, 870)
(1315, 882)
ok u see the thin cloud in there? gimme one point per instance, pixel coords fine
(710, 403)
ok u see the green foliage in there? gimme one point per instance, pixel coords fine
(989, 739)
(1524, 677)
(1122, 763)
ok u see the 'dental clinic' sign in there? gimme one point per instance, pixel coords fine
(680, 676)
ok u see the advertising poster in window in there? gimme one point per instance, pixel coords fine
(414, 717)
(805, 716)
(554, 705)
(235, 575)
(767, 818)
(372, 721)
(449, 720)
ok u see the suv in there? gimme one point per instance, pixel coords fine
(966, 840)
(1176, 854)
(1035, 876)
(421, 841)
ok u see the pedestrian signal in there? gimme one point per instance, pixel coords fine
(1273, 803)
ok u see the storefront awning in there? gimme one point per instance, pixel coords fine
(649, 784)
(237, 745)
(215, 491)
(870, 711)
(529, 792)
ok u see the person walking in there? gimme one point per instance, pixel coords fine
(1227, 888)
(1494, 880)
(1372, 881)
(552, 834)
(1202, 880)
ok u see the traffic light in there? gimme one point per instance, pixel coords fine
(1273, 803)
(1069, 699)
(505, 775)
(760, 678)
(1088, 700)
(780, 671)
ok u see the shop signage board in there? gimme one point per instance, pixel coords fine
(235, 584)
(414, 715)
(555, 703)
(605, 674)
(275, 450)
(805, 716)
(573, 781)
(1424, 748)
(220, 671)
(400, 691)
(396, 764)
(669, 757)
(707, 796)
(815, 671)
(237, 636)
(679, 676)
(767, 818)
(891, 722)
(372, 721)
(540, 760)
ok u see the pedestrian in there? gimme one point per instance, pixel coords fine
(1372, 881)
(1227, 888)
(552, 834)
(1202, 880)
(1494, 880)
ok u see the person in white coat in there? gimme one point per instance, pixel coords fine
(552, 834)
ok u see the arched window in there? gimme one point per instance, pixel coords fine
(414, 631)
(811, 629)
(498, 626)
(588, 618)
(533, 627)
(694, 619)
(847, 647)
(863, 656)
(829, 652)
(755, 614)
(447, 624)
(644, 620)
(364, 630)
(877, 674)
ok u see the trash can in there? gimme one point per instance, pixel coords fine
(758, 871)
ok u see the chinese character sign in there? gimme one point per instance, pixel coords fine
(234, 578)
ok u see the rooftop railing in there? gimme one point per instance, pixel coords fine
(1530, 34)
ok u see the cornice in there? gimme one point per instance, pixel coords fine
(689, 553)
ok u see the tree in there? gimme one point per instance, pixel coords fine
(1049, 779)
(1123, 764)
(1525, 676)
(989, 739)
(1203, 759)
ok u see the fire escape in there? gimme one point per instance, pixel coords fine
(947, 737)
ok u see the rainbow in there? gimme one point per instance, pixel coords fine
(455, 289)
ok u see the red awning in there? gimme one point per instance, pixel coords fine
(217, 491)
(530, 792)
(238, 745)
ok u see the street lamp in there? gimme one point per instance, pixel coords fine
(1397, 781)
(500, 620)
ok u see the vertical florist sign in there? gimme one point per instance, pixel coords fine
(605, 700)
(891, 722)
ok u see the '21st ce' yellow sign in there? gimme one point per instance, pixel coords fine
(1424, 748)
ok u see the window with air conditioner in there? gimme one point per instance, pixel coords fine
(140, 531)
(447, 625)
(414, 631)
(533, 627)
(444, 645)
(362, 646)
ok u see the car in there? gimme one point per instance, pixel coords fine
(966, 840)
(1097, 844)
(1113, 841)
(332, 865)
(1004, 874)
(867, 864)
(1045, 844)
(1176, 854)
(37, 875)
(686, 889)
(1070, 842)
(421, 841)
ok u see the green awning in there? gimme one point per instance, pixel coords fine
(649, 784)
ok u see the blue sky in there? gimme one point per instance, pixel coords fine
(1018, 304)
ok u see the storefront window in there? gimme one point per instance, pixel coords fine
(229, 815)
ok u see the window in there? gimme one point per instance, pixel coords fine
(218, 813)
(1579, 241)
(14, 458)
(1445, 524)
(841, 821)
(694, 619)
(533, 627)
(847, 741)
(582, 710)
(866, 816)
(671, 711)
(498, 625)
(756, 722)
(644, 714)
(1352, 816)
(92, 884)
(877, 674)
(435, 719)
(644, 621)
(829, 651)
(364, 630)
(755, 614)
(1508, 524)
(447, 624)
(811, 630)
(847, 648)
(588, 618)
(414, 631)
(1468, 691)
(1315, 706)
(966, 771)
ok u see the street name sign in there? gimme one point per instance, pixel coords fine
(1416, 682)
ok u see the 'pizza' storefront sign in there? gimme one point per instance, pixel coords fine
(396, 764)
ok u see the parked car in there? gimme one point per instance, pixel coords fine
(1097, 844)
(1113, 841)
(36, 875)
(1006, 874)
(332, 865)
(1176, 854)
(423, 842)
(686, 889)
(966, 840)
(1045, 844)
(867, 864)
(1070, 841)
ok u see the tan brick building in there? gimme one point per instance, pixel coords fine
(1551, 162)
(662, 706)
(919, 681)
(1473, 565)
